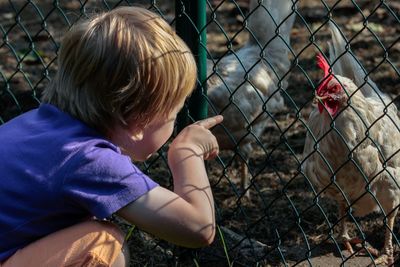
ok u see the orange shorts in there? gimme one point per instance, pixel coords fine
(91, 243)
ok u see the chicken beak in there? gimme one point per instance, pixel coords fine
(319, 99)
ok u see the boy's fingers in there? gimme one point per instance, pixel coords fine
(210, 122)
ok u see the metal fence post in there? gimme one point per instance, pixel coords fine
(190, 26)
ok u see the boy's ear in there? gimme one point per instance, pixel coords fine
(121, 135)
(137, 135)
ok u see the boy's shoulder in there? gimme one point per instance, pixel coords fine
(47, 121)
(49, 135)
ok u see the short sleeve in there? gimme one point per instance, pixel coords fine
(103, 181)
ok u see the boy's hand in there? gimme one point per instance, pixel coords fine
(198, 139)
(187, 213)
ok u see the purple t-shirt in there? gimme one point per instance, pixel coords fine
(55, 172)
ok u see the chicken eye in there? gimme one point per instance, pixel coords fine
(337, 88)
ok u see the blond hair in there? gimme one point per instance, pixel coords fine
(120, 67)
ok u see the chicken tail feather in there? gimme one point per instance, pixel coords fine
(344, 63)
(270, 23)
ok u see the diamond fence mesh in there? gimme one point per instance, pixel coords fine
(296, 179)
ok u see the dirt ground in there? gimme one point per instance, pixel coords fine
(284, 223)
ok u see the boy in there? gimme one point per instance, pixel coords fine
(123, 77)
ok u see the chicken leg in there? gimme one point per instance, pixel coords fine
(244, 178)
(386, 256)
(344, 233)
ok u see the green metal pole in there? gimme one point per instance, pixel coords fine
(190, 26)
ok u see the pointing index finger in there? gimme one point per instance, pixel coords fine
(211, 122)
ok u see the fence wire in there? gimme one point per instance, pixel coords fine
(298, 175)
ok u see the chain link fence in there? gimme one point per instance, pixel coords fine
(284, 189)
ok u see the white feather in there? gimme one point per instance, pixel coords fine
(345, 64)
(248, 82)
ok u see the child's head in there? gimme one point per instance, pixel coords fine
(126, 66)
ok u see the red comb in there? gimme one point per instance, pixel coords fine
(323, 64)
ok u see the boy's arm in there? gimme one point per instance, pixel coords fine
(186, 216)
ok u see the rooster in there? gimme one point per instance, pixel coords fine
(245, 86)
(352, 148)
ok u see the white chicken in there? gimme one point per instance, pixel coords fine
(352, 148)
(245, 86)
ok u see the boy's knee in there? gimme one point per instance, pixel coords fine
(116, 234)
(110, 229)
(91, 243)
(123, 258)
(108, 245)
